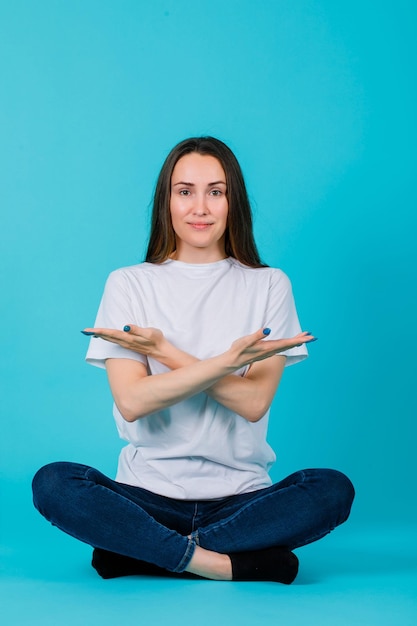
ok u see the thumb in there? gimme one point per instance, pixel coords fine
(131, 328)
(260, 334)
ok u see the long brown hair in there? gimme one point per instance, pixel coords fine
(239, 239)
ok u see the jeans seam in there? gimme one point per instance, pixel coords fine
(194, 516)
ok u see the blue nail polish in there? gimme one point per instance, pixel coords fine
(315, 339)
(266, 331)
(126, 328)
(87, 332)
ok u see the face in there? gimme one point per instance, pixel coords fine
(199, 208)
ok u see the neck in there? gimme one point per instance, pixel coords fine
(198, 255)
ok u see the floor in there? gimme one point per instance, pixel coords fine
(356, 576)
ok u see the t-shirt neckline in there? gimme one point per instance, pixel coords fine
(201, 266)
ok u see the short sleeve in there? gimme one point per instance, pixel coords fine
(281, 315)
(117, 308)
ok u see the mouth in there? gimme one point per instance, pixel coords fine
(200, 225)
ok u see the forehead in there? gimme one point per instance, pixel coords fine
(196, 167)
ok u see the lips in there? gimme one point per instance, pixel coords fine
(200, 225)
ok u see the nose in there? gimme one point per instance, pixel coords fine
(200, 205)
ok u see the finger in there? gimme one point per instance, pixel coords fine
(260, 334)
(303, 337)
(94, 331)
(91, 332)
(108, 334)
(308, 337)
(131, 329)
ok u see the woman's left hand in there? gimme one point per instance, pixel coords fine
(146, 341)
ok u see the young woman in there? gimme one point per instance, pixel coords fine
(194, 342)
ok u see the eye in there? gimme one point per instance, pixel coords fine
(184, 192)
(215, 192)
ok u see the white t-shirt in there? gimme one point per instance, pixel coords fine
(197, 448)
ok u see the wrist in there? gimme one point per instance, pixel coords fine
(229, 362)
(171, 356)
(160, 351)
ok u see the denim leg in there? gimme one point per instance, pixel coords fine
(298, 510)
(105, 514)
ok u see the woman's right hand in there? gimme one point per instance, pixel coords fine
(255, 347)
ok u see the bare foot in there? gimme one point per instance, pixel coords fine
(210, 564)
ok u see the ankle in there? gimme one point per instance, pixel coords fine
(210, 564)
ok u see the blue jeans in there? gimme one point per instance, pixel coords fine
(138, 523)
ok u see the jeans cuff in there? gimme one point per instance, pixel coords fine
(187, 556)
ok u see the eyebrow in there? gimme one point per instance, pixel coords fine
(217, 182)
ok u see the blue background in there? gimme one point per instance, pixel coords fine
(317, 98)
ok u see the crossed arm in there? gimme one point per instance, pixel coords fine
(137, 394)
